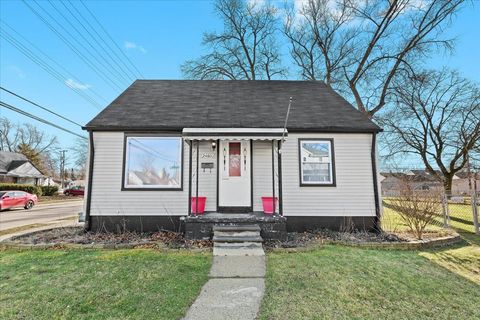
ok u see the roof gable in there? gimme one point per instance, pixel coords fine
(7, 158)
(172, 105)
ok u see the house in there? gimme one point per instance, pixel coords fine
(464, 184)
(391, 182)
(16, 168)
(163, 142)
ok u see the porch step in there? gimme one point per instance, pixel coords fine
(238, 249)
(236, 233)
(244, 227)
(237, 239)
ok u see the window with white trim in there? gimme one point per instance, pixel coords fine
(316, 162)
(153, 162)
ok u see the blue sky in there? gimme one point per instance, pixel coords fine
(158, 36)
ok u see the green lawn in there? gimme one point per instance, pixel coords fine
(99, 284)
(336, 282)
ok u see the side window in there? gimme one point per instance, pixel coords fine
(316, 162)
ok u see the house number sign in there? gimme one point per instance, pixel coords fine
(207, 155)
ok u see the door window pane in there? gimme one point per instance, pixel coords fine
(234, 162)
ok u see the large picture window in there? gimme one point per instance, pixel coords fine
(153, 163)
(316, 162)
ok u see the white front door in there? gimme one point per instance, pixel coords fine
(234, 185)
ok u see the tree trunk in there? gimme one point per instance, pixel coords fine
(447, 185)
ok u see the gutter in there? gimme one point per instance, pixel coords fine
(88, 224)
(375, 183)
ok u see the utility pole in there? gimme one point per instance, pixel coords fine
(62, 167)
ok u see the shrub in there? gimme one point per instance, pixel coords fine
(30, 188)
(417, 209)
(49, 190)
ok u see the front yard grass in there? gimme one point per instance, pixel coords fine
(337, 282)
(99, 284)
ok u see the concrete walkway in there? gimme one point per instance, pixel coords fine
(236, 286)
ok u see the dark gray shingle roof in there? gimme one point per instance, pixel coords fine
(178, 104)
(6, 159)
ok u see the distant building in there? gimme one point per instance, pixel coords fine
(391, 182)
(16, 168)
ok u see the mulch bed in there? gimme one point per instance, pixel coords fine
(305, 239)
(76, 235)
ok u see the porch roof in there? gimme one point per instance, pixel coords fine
(234, 133)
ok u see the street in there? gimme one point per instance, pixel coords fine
(40, 214)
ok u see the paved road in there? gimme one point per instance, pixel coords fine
(40, 214)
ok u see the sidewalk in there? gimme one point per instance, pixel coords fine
(236, 286)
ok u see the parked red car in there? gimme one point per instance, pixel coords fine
(14, 198)
(74, 191)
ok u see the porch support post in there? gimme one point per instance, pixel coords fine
(273, 174)
(190, 177)
(280, 189)
(196, 188)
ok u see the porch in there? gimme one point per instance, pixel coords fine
(232, 169)
(273, 227)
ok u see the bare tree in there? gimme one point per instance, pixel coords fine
(30, 141)
(437, 117)
(361, 47)
(246, 48)
(80, 154)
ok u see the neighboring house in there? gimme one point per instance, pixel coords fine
(391, 182)
(421, 180)
(464, 185)
(50, 181)
(16, 168)
(76, 183)
(162, 142)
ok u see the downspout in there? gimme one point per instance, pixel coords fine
(377, 225)
(88, 224)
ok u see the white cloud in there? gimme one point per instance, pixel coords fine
(76, 85)
(18, 72)
(132, 45)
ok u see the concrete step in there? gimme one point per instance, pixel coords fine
(236, 233)
(238, 249)
(238, 227)
(238, 245)
(237, 239)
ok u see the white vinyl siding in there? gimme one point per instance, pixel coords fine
(207, 180)
(262, 173)
(109, 199)
(353, 194)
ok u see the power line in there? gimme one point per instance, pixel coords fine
(100, 43)
(8, 106)
(117, 75)
(71, 75)
(46, 66)
(110, 82)
(102, 40)
(41, 107)
(111, 39)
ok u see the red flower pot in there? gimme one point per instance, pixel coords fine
(201, 205)
(268, 205)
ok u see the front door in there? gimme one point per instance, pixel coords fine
(234, 185)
